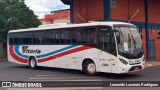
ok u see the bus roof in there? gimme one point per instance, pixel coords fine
(64, 25)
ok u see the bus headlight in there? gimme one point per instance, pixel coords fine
(123, 61)
(143, 60)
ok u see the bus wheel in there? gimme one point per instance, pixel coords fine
(89, 68)
(32, 63)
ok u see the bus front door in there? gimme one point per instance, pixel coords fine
(104, 55)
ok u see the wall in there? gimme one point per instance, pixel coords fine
(144, 42)
(154, 17)
(62, 16)
(126, 8)
(153, 36)
(157, 41)
(79, 6)
(95, 10)
(120, 12)
(154, 13)
(90, 10)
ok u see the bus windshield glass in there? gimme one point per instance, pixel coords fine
(129, 42)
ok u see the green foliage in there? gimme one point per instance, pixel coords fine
(2, 23)
(2, 28)
(14, 14)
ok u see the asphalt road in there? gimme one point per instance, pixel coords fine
(14, 72)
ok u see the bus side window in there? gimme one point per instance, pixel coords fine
(65, 37)
(11, 39)
(39, 37)
(73, 36)
(57, 37)
(17, 38)
(50, 37)
(87, 35)
(83, 35)
(27, 38)
(92, 35)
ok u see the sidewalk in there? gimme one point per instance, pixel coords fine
(3, 59)
(151, 63)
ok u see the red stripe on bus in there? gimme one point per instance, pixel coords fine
(17, 58)
(64, 53)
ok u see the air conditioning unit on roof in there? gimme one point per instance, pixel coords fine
(56, 24)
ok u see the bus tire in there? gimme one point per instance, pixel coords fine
(32, 63)
(89, 68)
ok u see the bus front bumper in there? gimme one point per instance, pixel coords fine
(129, 68)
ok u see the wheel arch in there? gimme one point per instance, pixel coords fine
(32, 57)
(31, 65)
(85, 60)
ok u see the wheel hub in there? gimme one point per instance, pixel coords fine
(32, 63)
(92, 68)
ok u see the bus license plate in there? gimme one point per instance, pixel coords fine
(136, 68)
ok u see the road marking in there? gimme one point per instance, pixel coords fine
(66, 88)
(51, 76)
(56, 78)
(62, 78)
(43, 75)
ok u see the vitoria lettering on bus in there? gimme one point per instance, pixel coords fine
(25, 49)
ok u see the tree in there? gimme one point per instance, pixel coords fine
(2, 27)
(14, 14)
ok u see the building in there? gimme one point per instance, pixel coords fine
(60, 16)
(143, 13)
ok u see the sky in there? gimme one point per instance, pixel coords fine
(42, 7)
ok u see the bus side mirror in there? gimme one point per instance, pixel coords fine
(117, 33)
(140, 31)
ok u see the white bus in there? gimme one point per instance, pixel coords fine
(113, 47)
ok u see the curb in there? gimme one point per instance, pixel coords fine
(150, 64)
(3, 59)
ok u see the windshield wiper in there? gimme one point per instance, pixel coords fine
(129, 40)
(135, 41)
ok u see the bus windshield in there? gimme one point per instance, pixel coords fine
(129, 42)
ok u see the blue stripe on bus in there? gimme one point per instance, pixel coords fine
(57, 51)
(16, 48)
